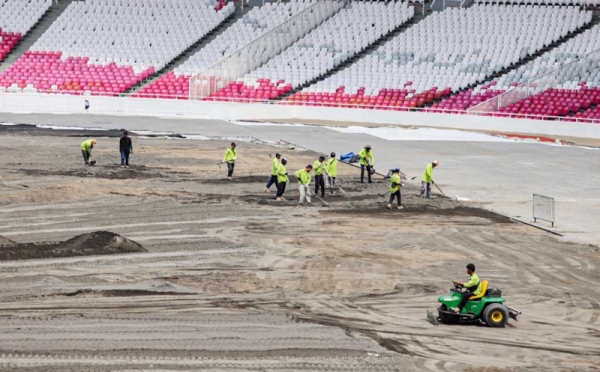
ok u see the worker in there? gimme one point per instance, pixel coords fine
(395, 184)
(331, 169)
(230, 157)
(86, 150)
(282, 179)
(427, 179)
(319, 168)
(273, 179)
(472, 288)
(126, 148)
(367, 161)
(303, 176)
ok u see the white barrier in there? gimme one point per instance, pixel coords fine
(70, 104)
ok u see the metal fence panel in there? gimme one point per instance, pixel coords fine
(543, 208)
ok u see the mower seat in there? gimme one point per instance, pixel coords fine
(484, 286)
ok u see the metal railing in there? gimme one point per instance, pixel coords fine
(543, 208)
(239, 101)
(571, 71)
(260, 50)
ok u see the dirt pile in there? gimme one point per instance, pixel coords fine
(5, 242)
(95, 243)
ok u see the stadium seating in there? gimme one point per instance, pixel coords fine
(581, 71)
(445, 53)
(340, 37)
(252, 25)
(106, 46)
(17, 17)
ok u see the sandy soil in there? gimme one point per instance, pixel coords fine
(232, 280)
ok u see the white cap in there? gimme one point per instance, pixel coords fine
(435, 162)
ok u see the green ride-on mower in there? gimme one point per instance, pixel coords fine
(487, 308)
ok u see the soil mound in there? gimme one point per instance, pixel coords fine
(95, 243)
(5, 242)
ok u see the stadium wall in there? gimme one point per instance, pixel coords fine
(69, 104)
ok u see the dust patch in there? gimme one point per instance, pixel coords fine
(121, 293)
(457, 211)
(136, 172)
(235, 180)
(95, 243)
(5, 242)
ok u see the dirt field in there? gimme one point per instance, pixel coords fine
(175, 268)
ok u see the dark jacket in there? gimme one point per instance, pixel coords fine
(125, 144)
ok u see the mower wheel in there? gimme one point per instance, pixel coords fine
(495, 315)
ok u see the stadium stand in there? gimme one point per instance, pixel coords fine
(106, 46)
(572, 87)
(343, 35)
(17, 17)
(444, 53)
(251, 26)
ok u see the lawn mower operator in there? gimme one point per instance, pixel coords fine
(472, 288)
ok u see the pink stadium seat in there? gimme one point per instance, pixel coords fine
(46, 69)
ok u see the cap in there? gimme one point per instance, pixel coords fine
(396, 169)
(332, 155)
(284, 161)
(436, 162)
(368, 147)
(94, 141)
(322, 157)
(233, 144)
(277, 154)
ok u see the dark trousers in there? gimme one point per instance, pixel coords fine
(281, 189)
(463, 301)
(230, 167)
(272, 180)
(362, 173)
(320, 183)
(124, 157)
(396, 195)
(86, 156)
(425, 187)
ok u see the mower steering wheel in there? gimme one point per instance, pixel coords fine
(457, 287)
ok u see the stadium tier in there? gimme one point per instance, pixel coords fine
(258, 21)
(585, 72)
(107, 46)
(345, 34)
(444, 53)
(16, 19)
(450, 60)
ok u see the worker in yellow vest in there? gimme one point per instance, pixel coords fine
(230, 158)
(86, 151)
(395, 185)
(303, 176)
(282, 179)
(273, 180)
(319, 168)
(427, 179)
(367, 162)
(331, 169)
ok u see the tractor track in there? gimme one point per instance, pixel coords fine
(233, 281)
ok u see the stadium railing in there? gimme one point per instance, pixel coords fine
(29, 104)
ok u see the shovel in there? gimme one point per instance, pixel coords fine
(437, 187)
(318, 197)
